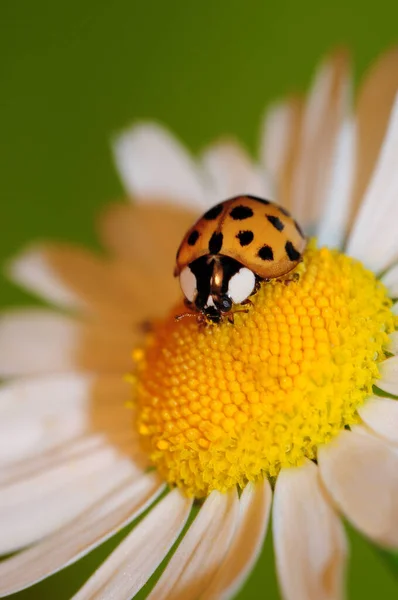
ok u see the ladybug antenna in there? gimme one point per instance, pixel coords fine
(183, 315)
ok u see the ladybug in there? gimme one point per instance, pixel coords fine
(230, 249)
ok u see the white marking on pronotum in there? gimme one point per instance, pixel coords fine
(209, 301)
(241, 285)
(188, 284)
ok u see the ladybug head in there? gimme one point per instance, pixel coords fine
(213, 284)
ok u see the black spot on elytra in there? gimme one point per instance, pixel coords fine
(299, 229)
(265, 253)
(276, 222)
(284, 211)
(215, 243)
(214, 212)
(245, 237)
(291, 251)
(239, 213)
(193, 237)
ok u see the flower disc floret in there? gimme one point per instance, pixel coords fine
(223, 404)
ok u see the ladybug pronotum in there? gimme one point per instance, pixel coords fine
(231, 248)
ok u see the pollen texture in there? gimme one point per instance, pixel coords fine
(223, 404)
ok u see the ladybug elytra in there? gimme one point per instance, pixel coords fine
(231, 248)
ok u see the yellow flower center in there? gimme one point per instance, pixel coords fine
(223, 404)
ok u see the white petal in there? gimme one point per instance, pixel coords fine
(130, 566)
(309, 538)
(390, 280)
(374, 101)
(232, 173)
(374, 239)
(393, 346)
(360, 473)
(334, 219)
(389, 376)
(125, 229)
(202, 550)
(36, 341)
(254, 508)
(381, 415)
(326, 110)
(70, 543)
(32, 270)
(154, 165)
(51, 458)
(106, 286)
(39, 413)
(276, 138)
(38, 505)
(40, 341)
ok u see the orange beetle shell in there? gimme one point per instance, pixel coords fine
(258, 233)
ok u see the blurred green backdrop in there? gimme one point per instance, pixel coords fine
(75, 72)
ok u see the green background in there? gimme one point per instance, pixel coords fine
(73, 73)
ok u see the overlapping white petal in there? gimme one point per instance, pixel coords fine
(390, 280)
(373, 239)
(327, 108)
(202, 551)
(254, 509)
(104, 287)
(36, 341)
(233, 173)
(40, 341)
(309, 538)
(388, 381)
(32, 270)
(76, 539)
(154, 165)
(333, 223)
(393, 346)
(37, 414)
(130, 566)
(374, 102)
(381, 415)
(276, 139)
(51, 457)
(360, 473)
(39, 504)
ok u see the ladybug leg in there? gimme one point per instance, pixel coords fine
(259, 280)
(246, 302)
(293, 278)
(202, 321)
(231, 316)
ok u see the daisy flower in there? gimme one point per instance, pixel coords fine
(282, 407)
